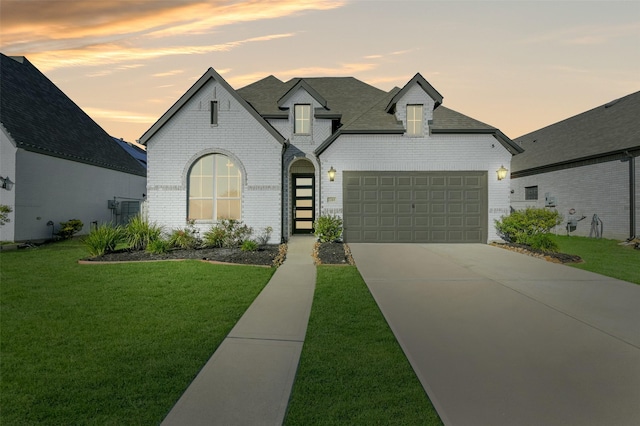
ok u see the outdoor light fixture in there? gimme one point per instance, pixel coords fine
(332, 174)
(6, 183)
(502, 172)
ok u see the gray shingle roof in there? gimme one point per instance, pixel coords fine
(360, 107)
(41, 118)
(603, 131)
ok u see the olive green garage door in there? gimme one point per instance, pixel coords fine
(421, 207)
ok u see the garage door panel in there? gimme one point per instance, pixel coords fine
(371, 208)
(438, 181)
(387, 181)
(352, 222)
(420, 181)
(352, 209)
(387, 195)
(438, 195)
(415, 206)
(455, 221)
(387, 208)
(387, 221)
(370, 221)
(472, 181)
(454, 181)
(404, 195)
(472, 222)
(421, 208)
(438, 221)
(405, 221)
(353, 181)
(353, 195)
(421, 221)
(370, 195)
(370, 181)
(404, 208)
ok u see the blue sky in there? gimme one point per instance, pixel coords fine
(517, 65)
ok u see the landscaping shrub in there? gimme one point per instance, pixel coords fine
(138, 233)
(328, 228)
(264, 238)
(249, 245)
(227, 233)
(68, 229)
(103, 239)
(542, 242)
(521, 225)
(186, 238)
(158, 246)
(4, 214)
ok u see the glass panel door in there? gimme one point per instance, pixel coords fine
(303, 203)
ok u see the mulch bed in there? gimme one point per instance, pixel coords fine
(334, 253)
(271, 255)
(549, 256)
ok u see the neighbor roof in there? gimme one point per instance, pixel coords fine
(41, 118)
(135, 151)
(607, 130)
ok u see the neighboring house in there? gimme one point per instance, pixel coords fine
(396, 166)
(60, 164)
(585, 166)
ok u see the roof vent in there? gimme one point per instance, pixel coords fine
(612, 103)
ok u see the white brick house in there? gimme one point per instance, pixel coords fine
(406, 168)
(585, 166)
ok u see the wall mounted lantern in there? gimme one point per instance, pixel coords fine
(332, 174)
(502, 172)
(6, 183)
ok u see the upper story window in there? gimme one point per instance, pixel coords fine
(302, 117)
(414, 120)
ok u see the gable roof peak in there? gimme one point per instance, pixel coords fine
(302, 84)
(210, 74)
(424, 84)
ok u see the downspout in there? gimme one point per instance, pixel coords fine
(632, 196)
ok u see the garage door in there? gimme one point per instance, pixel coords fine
(436, 207)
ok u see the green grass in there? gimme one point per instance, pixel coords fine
(352, 370)
(109, 344)
(606, 257)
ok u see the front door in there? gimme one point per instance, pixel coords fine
(303, 203)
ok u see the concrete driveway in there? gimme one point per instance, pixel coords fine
(501, 338)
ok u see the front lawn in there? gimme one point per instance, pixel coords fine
(352, 370)
(109, 344)
(606, 257)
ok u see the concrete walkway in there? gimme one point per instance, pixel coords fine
(501, 338)
(249, 378)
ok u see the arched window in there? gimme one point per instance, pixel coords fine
(215, 189)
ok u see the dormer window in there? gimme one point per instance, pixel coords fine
(414, 120)
(302, 117)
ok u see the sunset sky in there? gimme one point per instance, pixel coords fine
(517, 65)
